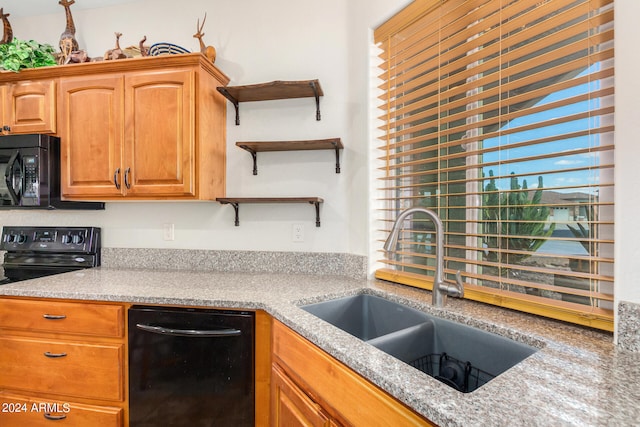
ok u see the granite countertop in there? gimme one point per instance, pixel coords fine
(577, 378)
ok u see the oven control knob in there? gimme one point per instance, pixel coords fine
(21, 238)
(12, 238)
(66, 239)
(77, 239)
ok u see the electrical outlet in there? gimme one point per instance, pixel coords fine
(297, 233)
(168, 231)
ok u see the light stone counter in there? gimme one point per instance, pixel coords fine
(578, 378)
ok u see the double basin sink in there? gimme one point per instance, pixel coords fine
(458, 355)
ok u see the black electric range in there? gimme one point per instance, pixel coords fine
(33, 252)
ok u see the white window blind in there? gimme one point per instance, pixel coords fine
(498, 115)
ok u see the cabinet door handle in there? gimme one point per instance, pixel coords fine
(6, 128)
(115, 178)
(126, 178)
(54, 316)
(48, 416)
(54, 355)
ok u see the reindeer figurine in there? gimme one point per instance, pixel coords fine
(8, 31)
(208, 51)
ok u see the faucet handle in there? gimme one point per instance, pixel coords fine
(456, 289)
(459, 283)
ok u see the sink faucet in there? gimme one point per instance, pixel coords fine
(440, 289)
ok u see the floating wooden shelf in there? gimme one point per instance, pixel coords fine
(235, 202)
(272, 91)
(319, 144)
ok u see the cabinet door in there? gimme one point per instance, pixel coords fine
(30, 106)
(291, 407)
(345, 394)
(160, 154)
(91, 123)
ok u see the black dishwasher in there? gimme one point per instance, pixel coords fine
(191, 367)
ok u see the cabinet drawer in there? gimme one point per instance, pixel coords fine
(19, 411)
(62, 368)
(64, 317)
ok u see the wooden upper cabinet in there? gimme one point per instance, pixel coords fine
(29, 106)
(91, 122)
(159, 156)
(146, 131)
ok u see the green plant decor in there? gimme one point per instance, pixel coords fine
(20, 54)
(513, 222)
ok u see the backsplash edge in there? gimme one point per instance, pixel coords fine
(340, 264)
(628, 334)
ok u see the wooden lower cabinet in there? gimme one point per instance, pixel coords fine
(62, 362)
(291, 406)
(311, 388)
(62, 367)
(65, 362)
(100, 320)
(20, 411)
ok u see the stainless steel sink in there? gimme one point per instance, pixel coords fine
(459, 355)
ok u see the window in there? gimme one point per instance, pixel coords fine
(498, 115)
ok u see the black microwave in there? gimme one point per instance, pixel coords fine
(30, 174)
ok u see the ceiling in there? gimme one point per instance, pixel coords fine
(22, 8)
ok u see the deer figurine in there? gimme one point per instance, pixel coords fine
(208, 51)
(144, 50)
(8, 31)
(115, 53)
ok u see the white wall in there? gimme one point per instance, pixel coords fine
(627, 135)
(257, 42)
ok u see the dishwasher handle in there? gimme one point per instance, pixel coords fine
(195, 333)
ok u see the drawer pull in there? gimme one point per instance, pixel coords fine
(54, 417)
(54, 355)
(54, 316)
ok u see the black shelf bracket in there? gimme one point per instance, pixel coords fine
(317, 205)
(236, 208)
(337, 148)
(254, 155)
(316, 94)
(233, 100)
